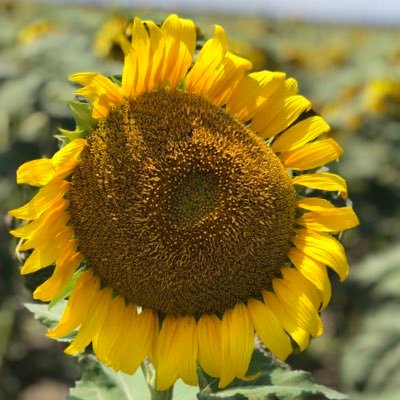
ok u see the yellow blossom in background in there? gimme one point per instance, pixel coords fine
(256, 55)
(36, 30)
(187, 212)
(111, 38)
(382, 97)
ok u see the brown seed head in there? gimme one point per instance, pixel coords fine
(179, 207)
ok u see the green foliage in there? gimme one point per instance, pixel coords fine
(95, 384)
(371, 358)
(68, 136)
(275, 381)
(82, 113)
(379, 274)
(47, 316)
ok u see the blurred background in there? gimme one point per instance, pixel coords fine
(346, 58)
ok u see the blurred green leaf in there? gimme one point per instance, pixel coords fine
(102, 383)
(48, 317)
(96, 385)
(380, 273)
(288, 385)
(275, 379)
(371, 359)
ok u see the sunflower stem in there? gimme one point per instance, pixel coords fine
(164, 395)
(150, 376)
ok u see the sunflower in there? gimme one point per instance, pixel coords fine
(184, 217)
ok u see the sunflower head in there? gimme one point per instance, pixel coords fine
(185, 211)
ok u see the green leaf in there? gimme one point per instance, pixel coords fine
(262, 363)
(291, 385)
(96, 385)
(184, 392)
(380, 273)
(371, 358)
(370, 363)
(274, 379)
(82, 113)
(42, 312)
(102, 383)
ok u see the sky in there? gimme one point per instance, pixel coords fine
(374, 12)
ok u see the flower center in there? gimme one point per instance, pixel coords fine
(179, 207)
(193, 197)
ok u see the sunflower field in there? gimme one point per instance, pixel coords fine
(197, 206)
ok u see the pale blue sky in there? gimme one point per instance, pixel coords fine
(374, 12)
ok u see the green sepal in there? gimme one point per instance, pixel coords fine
(67, 290)
(117, 79)
(82, 113)
(68, 136)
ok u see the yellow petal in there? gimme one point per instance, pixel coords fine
(101, 91)
(148, 48)
(299, 134)
(42, 201)
(130, 75)
(105, 339)
(138, 340)
(180, 44)
(314, 204)
(79, 305)
(154, 78)
(251, 93)
(54, 214)
(26, 231)
(237, 338)
(323, 248)
(227, 76)
(100, 84)
(186, 346)
(44, 231)
(312, 155)
(269, 329)
(296, 282)
(274, 106)
(152, 344)
(167, 372)
(209, 336)
(129, 350)
(141, 47)
(68, 155)
(93, 322)
(117, 355)
(204, 71)
(314, 271)
(299, 335)
(39, 259)
(291, 87)
(62, 275)
(101, 102)
(296, 299)
(322, 181)
(291, 109)
(325, 217)
(36, 172)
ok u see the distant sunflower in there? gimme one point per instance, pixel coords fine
(186, 212)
